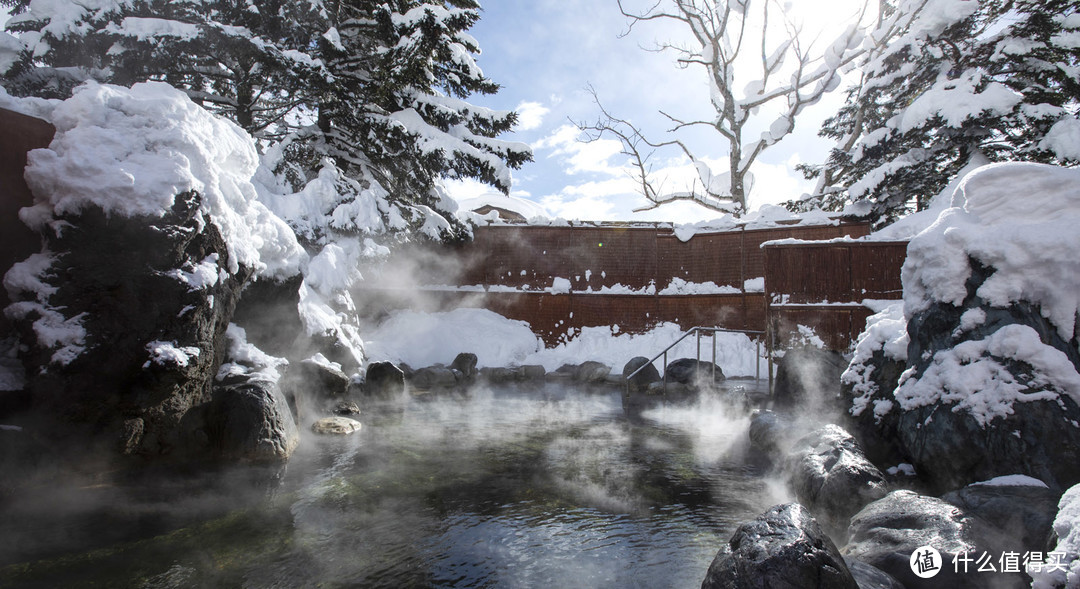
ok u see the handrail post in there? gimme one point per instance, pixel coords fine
(714, 356)
(665, 373)
(698, 356)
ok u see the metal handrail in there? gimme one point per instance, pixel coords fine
(698, 330)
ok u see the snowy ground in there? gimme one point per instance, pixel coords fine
(424, 339)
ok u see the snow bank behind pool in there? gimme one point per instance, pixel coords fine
(424, 339)
(131, 151)
(735, 352)
(1021, 219)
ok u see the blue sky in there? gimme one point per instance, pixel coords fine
(545, 53)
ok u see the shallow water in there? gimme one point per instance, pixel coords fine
(498, 488)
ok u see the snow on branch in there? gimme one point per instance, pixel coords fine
(729, 36)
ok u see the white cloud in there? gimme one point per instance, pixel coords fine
(530, 115)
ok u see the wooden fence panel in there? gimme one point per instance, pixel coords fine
(632, 313)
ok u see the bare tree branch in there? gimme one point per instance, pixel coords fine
(719, 29)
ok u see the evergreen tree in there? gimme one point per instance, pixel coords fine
(399, 74)
(247, 61)
(998, 80)
(360, 103)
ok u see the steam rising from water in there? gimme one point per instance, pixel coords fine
(499, 487)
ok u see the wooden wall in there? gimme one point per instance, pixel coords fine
(528, 258)
(21, 134)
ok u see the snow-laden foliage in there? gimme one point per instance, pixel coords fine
(963, 79)
(363, 100)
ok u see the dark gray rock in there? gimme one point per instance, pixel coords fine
(643, 379)
(435, 377)
(1025, 513)
(871, 577)
(693, 372)
(530, 372)
(465, 363)
(784, 548)
(1040, 438)
(592, 372)
(832, 478)
(346, 409)
(122, 277)
(319, 379)
(952, 449)
(886, 533)
(767, 433)
(268, 310)
(249, 420)
(498, 374)
(808, 379)
(567, 370)
(383, 380)
(878, 435)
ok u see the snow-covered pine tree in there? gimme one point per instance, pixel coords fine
(997, 78)
(360, 103)
(248, 61)
(398, 76)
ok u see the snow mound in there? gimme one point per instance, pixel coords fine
(131, 151)
(1013, 480)
(424, 339)
(1021, 220)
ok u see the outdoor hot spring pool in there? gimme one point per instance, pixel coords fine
(505, 487)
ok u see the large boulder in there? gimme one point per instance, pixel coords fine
(993, 357)
(641, 381)
(320, 378)
(249, 420)
(871, 577)
(767, 433)
(435, 377)
(1021, 507)
(268, 312)
(869, 383)
(784, 548)
(696, 373)
(592, 371)
(831, 477)
(465, 363)
(808, 379)
(135, 318)
(886, 533)
(383, 380)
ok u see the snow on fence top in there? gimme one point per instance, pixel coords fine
(766, 217)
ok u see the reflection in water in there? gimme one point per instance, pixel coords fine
(500, 488)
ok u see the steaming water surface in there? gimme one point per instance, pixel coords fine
(497, 488)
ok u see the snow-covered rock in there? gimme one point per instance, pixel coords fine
(1067, 550)
(151, 229)
(987, 339)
